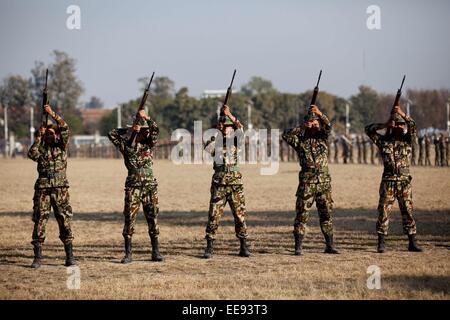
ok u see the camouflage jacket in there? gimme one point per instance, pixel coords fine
(139, 158)
(51, 161)
(396, 155)
(312, 151)
(226, 168)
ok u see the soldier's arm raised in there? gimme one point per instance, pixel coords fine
(63, 127)
(371, 131)
(116, 139)
(154, 130)
(210, 146)
(34, 153)
(411, 124)
(291, 136)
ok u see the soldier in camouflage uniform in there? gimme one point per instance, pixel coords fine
(447, 150)
(395, 148)
(140, 185)
(421, 143)
(226, 185)
(442, 151)
(427, 149)
(309, 140)
(49, 150)
(437, 150)
(359, 148)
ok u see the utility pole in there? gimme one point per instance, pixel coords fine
(249, 114)
(219, 106)
(347, 119)
(5, 117)
(448, 115)
(119, 116)
(32, 129)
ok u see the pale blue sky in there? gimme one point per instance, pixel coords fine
(198, 43)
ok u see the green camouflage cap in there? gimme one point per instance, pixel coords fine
(398, 119)
(140, 122)
(226, 121)
(311, 116)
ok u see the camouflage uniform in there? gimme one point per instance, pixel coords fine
(437, 151)
(396, 180)
(421, 143)
(51, 187)
(140, 185)
(226, 187)
(447, 150)
(427, 150)
(314, 179)
(442, 151)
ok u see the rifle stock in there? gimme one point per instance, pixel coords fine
(228, 95)
(316, 90)
(141, 107)
(399, 94)
(44, 101)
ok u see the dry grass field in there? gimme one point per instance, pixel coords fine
(272, 272)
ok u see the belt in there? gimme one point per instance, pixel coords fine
(398, 171)
(140, 171)
(314, 170)
(51, 175)
(225, 168)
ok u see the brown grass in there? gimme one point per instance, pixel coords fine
(271, 273)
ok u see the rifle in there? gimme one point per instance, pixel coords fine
(228, 95)
(316, 90)
(399, 94)
(141, 107)
(44, 101)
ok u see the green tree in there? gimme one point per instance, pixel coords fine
(257, 86)
(94, 103)
(64, 88)
(15, 94)
(364, 107)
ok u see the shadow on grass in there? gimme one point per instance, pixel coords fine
(433, 283)
(429, 223)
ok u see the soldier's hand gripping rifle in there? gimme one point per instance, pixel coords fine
(397, 97)
(141, 107)
(227, 96)
(44, 102)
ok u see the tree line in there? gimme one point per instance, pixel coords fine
(174, 109)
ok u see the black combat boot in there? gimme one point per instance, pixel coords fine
(209, 249)
(127, 258)
(330, 244)
(70, 261)
(37, 248)
(381, 245)
(243, 252)
(156, 256)
(298, 243)
(413, 246)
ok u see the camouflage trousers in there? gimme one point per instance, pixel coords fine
(389, 191)
(43, 201)
(134, 197)
(307, 193)
(220, 195)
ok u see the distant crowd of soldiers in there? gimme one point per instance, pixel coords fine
(357, 148)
